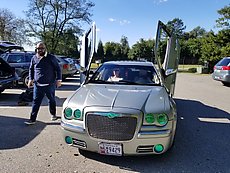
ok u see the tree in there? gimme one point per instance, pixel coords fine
(100, 51)
(124, 47)
(12, 28)
(48, 20)
(197, 32)
(176, 25)
(223, 21)
(68, 44)
(142, 50)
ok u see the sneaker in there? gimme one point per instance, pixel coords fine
(54, 117)
(30, 122)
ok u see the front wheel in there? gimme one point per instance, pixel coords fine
(25, 80)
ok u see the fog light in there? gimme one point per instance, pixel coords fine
(68, 140)
(158, 148)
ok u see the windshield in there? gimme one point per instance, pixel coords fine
(125, 74)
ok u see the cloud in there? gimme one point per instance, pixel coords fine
(121, 22)
(160, 1)
(112, 20)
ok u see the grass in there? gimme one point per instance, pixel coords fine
(181, 66)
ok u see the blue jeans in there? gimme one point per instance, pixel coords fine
(38, 95)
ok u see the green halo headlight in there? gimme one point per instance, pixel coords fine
(162, 119)
(149, 118)
(77, 114)
(68, 112)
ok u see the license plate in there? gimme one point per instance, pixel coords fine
(110, 149)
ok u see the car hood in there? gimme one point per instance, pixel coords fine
(145, 98)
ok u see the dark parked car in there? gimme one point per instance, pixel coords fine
(8, 76)
(222, 71)
(20, 60)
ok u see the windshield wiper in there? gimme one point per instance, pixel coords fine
(136, 83)
(98, 81)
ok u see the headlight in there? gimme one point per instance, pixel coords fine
(149, 118)
(77, 114)
(72, 114)
(68, 113)
(162, 119)
(156, 119)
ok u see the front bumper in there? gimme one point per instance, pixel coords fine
(142, 143)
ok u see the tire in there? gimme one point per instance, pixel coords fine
(1, 90)
(25, 80)
(225, 83)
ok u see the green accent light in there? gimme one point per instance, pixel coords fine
(77, 114)
(158, 148)
(68, 140)
(162, 119)
(68, 112)
(149, 118)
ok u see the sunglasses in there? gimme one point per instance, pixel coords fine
(40, 48)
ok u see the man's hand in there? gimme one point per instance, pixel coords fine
(30, 83)
(58, 83)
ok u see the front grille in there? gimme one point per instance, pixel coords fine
(120, 128)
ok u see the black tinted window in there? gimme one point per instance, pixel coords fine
(29, 57)
(16, 58)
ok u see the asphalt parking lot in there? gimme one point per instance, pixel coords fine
(201, 144)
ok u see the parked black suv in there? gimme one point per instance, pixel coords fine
(20, 60)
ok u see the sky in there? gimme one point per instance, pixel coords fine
(136, 19)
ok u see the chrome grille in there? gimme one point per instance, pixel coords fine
(116, 129)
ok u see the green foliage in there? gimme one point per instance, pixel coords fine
(177, 26)
(224, 19)
(50, 20)
(100, 51)
(142, 50)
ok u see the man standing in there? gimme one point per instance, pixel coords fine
(44, 76)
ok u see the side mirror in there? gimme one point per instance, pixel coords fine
(169, 72)
(82, 69)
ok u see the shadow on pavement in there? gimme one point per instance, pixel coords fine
(199, 146)
(15, 134)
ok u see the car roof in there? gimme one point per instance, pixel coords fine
(141, 63)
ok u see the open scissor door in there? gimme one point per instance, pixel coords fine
(88, 46)
(167, 53)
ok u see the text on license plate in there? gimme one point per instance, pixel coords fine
(110, 149)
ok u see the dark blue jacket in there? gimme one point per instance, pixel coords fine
(45, 71)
